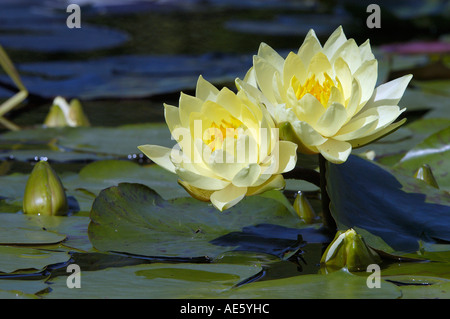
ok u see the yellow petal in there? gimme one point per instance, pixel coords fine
(386, 114)
(172, 116)
(271, 56)
(332, 120)
(247, 175)
(201, 181)
(159, 154)
(318, 65)
(368, 139)
(250, 78)
(366, 51)
(355, 98)
(335, 151)
(198, 193)
(188, 104)
(229, 101)
(334, 42)
(309, 109)
(293, 66)
(356, 128)
(287, 156)
(228, 197)
(309, 47)
(205, 90)
(264, 75)
(367, 77)
(389, 93)
(344, 75)
(307, 134)
(274, 182)
(349, 51)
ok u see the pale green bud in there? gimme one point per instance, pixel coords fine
(62, 114)
(424, 173)
(304, 209)
(55, 117)
(348, 250)
(44, 192)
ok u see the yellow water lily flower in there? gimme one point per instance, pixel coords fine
(324, 97)
(227, 146)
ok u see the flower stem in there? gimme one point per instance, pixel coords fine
(328, 220)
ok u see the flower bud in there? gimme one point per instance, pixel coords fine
(44, 192)
(424, 173)
(348, 250)
(62, 114)
(304, 209)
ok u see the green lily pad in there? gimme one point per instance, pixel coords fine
(82, 188)
(155, 281)
(41, 231)
(13, 259)
(336, 285)
(434, 151)
(440, 290)
(401, 210)
(21, 289)
(132, 218)
(390, 149)
(68, 143)
(102, 174)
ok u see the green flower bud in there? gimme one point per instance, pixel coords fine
(348, 250)
(55, 117)
(304, 209)
(44, 192)
(424, 173)
(62, 114)
(77, 115)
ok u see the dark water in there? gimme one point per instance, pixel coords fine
(126, 60)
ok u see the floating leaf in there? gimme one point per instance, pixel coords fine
(13, 259)
(132, 218)
(155, 281)
(434, 151)
(400, 209)
(337, 285)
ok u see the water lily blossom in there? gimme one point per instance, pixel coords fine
(227, 146)
(324, 97)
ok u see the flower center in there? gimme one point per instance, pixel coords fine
(320, 90)
(217, 132)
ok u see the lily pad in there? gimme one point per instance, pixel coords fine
(95, 142)
(434, 151)
(132, 218)
(21, 289)
(13, 259)
(41, 231)
(399, 209)
(337, 285)
(155, 281)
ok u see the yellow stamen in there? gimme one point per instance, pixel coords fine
(216, 133)
(321, 91)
